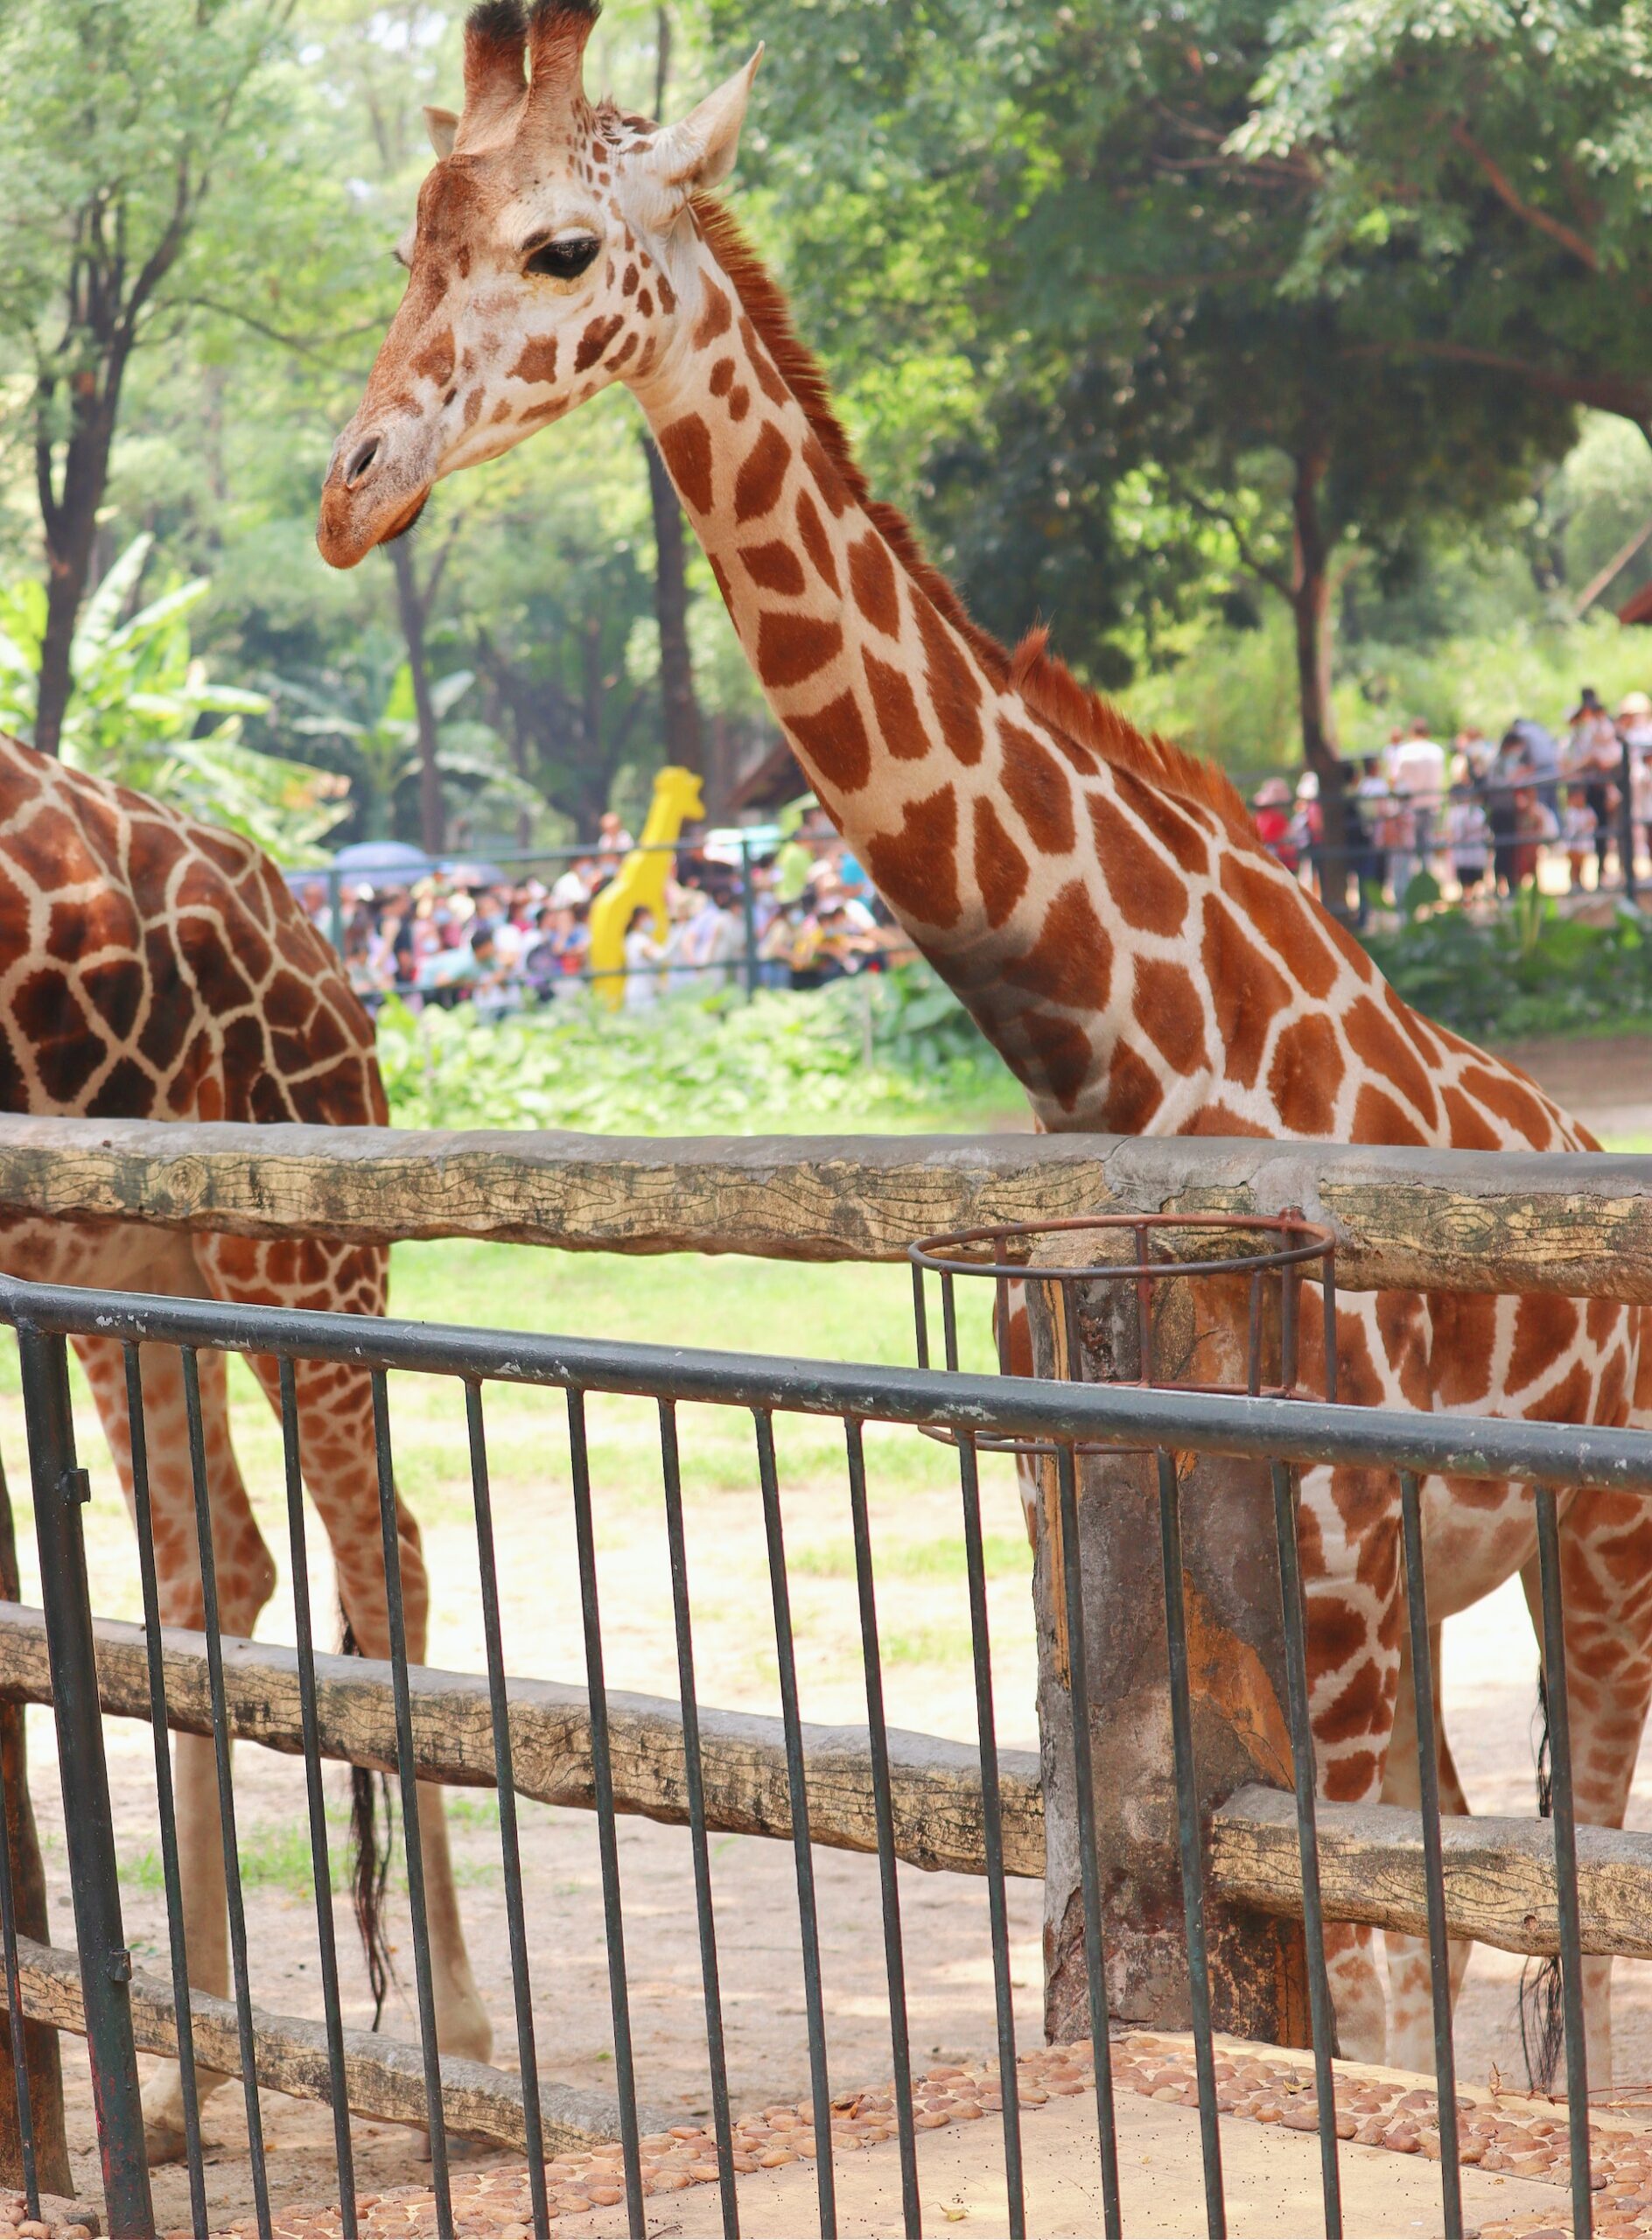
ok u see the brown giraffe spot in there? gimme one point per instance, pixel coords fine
(535, 415)
(775, 566)
(1081, 758)
(60, 1037)
(288, 1001)
(595, 341)
(628, 285)
(116, 993)
(915, 869)
(1511, 1101)
(762, 475)
(739, 401)
(1148, 893)
(1038, 788)
(645, 304)
(1465, 1346)
(687, 446)
(1374, 1037)
(834, 738)
(474, 407)
(1169, 827)
(1219, 1120)
(896, 709)
(1470, 1130)
(1306, 1076)
(1378, 1119)
(667, 294)
(126, 1092)
(716, 317)
(953, 692)
(1166, 1005)
(435, 361)
(1336, 1638)
(1134, 1093)
(825, 476)
(1063, 1054)
(50, 845)
(1280, 912)
(762, 365)
(792, 646)
(536, 360)
(500, 412)
(817, 543)
(1247, 990)
(1569, 1400)
(623, 353)
(1600, 1318)
(871, 580)
(1000, 868)
(103, 920)
(1071, 962)
(1358, 1709)
(1545, 1329)
(722, 377)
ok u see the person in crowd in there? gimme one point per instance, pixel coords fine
(1307, 827)
(1509, 774)
(1579, 830)
(1540, 755)
(1272, 809)
(1537, 828)
(1592, 758)
(613, 841)
(644, 957)
(1368, 801)
(470, 967)
(1468, 837)
(1417, 770)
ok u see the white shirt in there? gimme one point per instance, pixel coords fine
(1417, 766)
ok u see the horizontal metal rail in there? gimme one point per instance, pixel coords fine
(934, 1785)
(1578, 1224)
(1126, 1416)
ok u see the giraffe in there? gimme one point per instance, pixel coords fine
(151, 968)
(1098, 900)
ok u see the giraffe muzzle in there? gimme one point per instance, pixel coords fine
(374, 493)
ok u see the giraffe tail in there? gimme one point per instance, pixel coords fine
(370, 1846)
(1541, 2023)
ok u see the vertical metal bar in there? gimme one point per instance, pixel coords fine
(1554, 1659)
(882, 1813)
(505, 1778)
(950, 1317)
(721, 2121)
(143, 1518)
(1001, 1321)
(607, 1842)
(1290, 1297)
(1440, 1968)
(105, 1963)
(1320, 2007)
(14, 2014)
(748, 920)
(808, 1927)
(396, 1625)
(320, 1857)
(1084, 1792)
(1190, 1836)
(1253, 1344)
(920, 1316)
(1328, 1291)
(992, 1833)
(191, 1360)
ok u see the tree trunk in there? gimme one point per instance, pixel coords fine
(41, 2051)
(684, 743)
(411, 606)
(1310, 612)
(69, 523)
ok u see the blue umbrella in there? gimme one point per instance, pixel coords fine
(386, 859)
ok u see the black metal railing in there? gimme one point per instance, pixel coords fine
(1068, 1423)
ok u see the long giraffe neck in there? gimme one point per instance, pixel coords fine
(1050, 885)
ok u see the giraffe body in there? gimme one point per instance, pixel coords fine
(1098, 900)
(155, 968)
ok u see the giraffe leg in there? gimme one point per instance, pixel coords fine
(246, 1576)
(1411, 1979)
(1605, 1575)
(336, 1449)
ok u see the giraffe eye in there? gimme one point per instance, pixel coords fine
(566, 258)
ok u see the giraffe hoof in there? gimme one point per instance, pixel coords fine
(164, 2138)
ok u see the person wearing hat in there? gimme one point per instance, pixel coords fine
(1272, 809)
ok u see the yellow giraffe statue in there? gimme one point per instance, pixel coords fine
(639, 882)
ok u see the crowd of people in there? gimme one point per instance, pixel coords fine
(1483, 819)
(811, 916)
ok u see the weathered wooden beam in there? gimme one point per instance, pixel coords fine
(1500, 1874)
(935, 1786)
(1579, 1224)
(384, 2079)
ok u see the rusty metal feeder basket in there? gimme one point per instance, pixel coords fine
(1285, 1245)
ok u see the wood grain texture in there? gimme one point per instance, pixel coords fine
(383, 2078)
(1500, 1875)
(1579, 1224)
(935, 1786)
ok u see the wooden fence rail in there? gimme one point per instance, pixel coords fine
(1579, 1224)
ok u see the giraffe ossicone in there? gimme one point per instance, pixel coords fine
(1097, 900)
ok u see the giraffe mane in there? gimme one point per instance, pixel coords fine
(1045, 683)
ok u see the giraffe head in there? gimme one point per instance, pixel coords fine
(553, 252)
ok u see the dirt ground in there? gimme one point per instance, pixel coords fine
(1488, 1687)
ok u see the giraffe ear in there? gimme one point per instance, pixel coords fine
(700, 151)
(443, 127)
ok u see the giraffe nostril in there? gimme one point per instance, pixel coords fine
(360, 460)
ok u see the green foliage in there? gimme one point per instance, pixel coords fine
(871, 1052)
(1533, 972)
(140, 699)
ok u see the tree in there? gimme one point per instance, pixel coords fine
(115, 119)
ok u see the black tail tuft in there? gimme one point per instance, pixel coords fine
(372, 1868)
(1541, 2023)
